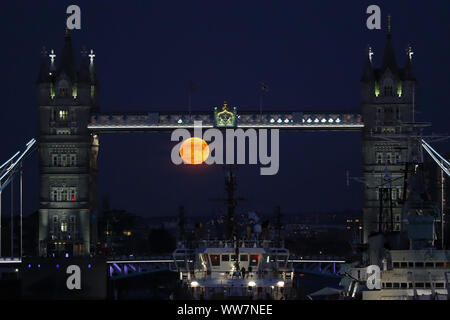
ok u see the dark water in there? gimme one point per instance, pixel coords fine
(165, 285)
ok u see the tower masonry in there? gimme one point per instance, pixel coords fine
(389, 138)
(67, 95)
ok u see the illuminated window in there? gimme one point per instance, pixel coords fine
(54, 195)
(63, 160)
(64, 195)
(63, 114)
(73, 160)
(254, 260)
(63, 131)
(63, 92)
(244, 257)
(379, 157)
(64, 226)
(72, 194)
(215, 260)
(388, 158)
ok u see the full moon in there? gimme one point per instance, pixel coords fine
(194, 151)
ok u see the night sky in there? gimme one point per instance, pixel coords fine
(310, 53)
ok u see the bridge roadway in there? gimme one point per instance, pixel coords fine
(168, 260)
(287, 120)
(152, 264)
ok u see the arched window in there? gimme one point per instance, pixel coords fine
(64, 195)
(388, 85)
(63, 89)
(388, 91)
(55, 224)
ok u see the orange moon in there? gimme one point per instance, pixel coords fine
(194, 151)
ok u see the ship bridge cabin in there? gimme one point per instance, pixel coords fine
(235, 269)
(221, 259)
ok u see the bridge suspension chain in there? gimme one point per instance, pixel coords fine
(8, 171)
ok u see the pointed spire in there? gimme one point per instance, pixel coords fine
(52, 57)
(389, 26)
(67, 62)
(409, 72)
(368, 74)
(84, 75)
(44, 71)
(389, 60)
(92, 67)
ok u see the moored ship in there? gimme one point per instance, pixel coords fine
(235, 270)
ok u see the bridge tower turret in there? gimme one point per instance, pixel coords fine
(67, 96)
(388, 106)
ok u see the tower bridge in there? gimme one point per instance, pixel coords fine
(70, 123)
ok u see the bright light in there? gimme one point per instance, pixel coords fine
(251, 283)
(194, 284)
(280, 284)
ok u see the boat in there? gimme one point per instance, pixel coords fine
(407, 265)
(242, 266)
(235, 270)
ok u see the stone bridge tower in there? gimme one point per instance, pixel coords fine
(67, 95)
(388, 105)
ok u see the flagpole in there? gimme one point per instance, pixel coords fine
(191, 88)
(264, 88)
(260, 102)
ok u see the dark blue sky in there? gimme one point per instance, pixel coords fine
(310, 53)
